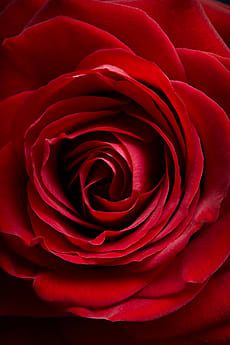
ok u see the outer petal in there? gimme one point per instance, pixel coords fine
(185, 22)
(131, 25)
(13, 215)
(141, 309)
(17, 298)
(205, 72)
(8, 108)
(207, 252)
(13, 264)
(16, 15)
(219, 15)
(89, 288)
(211, 307)
(4, 4)
(213, 127)
(27, 65)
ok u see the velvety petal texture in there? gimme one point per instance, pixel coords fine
(219, 14)
(114, 172)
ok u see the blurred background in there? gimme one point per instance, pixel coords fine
(225, 1)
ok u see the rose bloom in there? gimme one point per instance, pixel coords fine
(114, 172)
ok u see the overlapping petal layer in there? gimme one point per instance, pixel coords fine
(110, 162)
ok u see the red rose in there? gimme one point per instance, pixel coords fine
(114, 166)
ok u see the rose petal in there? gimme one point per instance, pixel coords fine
(207, 251)
(207, 116)
(23, 303)
(89, 288)
(185, 23)
(219, 16)
(8, 108)
(11, 24)
(205, 72)
(117, 20)
(135, 309)
(23, 66)
(211, 307)
(13, 216)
